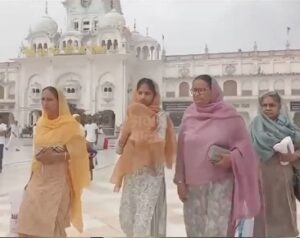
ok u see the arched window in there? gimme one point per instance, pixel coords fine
(76, 43)
(115, 44)
(145, 52)
(45, 46)
(70, 42)
(40, 46)
(230, 88)
(103, 44)
(184, 89)
(109, 44)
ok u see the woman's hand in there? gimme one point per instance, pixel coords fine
(116, 189)
(224, 162)
(182, 191)
(288, 157)
(49, 156)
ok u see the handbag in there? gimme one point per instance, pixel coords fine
(215, 151)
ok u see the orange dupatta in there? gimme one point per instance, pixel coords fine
(141, 143)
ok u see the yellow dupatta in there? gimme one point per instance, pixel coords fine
(64, 130)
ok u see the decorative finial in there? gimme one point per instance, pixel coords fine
(46, 7)
(134, 26)
(147, 31)
(255, 46)
(206, 49)
(163, 45)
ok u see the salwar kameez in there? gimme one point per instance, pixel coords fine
(207, 209)
(45, 210)
(143, 204)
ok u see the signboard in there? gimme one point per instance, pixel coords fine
(295, 106)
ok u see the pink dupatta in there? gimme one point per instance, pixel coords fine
(205, 120)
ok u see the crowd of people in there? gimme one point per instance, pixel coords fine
(225, 173)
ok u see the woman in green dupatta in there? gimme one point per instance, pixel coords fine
(278, 217)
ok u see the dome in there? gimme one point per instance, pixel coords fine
(139, 38)
(46, 24)
(112, 19)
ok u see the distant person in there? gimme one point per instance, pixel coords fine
(91, 132)
(14, 136)
(3, 129)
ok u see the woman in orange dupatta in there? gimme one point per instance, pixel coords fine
(146, 144)
(60, 171)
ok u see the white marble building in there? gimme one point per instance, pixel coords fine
(98, 60)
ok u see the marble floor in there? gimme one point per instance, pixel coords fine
(100, 204)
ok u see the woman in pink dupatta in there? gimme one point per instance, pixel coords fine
(216, 195)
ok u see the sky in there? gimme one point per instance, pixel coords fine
(187, 25)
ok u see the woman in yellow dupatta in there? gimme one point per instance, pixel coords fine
(60, 171)
(146, 144)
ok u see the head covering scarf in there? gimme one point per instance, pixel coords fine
(266, 133)
(64, 130)
(205, 120)
(142, 144)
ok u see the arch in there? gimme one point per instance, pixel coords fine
(184, 89)
(176, 118)
(109, 44)
(34, 116)
(145, 52)
(40, 46)
(115, 44)
(279, 86)
(45, 46)
(76, 43)
(105, 90)
(34, 47)
(230, 88)
(295, 87)
(103, 43)
(152, 48)
(70, 42)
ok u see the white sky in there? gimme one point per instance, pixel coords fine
(225, 25)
